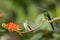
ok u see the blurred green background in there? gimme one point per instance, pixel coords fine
(35, 12)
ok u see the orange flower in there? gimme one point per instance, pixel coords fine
(12, 27)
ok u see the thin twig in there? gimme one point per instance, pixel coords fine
(32, 30)
(28, 31)
(54, 20)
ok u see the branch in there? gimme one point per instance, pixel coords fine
(28, 31)
(50, 21)
(54, 20)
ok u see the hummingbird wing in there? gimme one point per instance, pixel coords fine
(27, 27)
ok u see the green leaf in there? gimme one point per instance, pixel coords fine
(36, 36)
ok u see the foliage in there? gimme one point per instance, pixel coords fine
(35, 12)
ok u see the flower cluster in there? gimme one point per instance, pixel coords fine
(11, 26)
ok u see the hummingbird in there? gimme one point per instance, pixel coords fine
(49, 16)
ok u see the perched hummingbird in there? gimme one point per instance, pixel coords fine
(48, 15)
